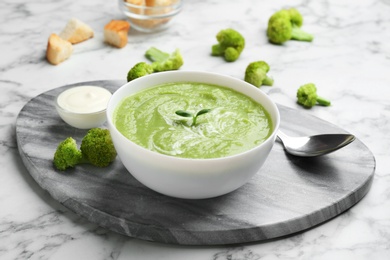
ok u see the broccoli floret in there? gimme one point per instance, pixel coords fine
(230, 44)
(279, 27)
(256, 74)
(139, 70)
(97, 147)
(67, 154)
(285, 25)
(295, 17)
(163, 61)
(307, 96)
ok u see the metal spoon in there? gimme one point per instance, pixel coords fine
(315, 145)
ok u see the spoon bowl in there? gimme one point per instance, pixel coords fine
(316, 145)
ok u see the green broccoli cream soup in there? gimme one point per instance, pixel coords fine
(163, 119)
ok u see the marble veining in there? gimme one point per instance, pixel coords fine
(349, 61)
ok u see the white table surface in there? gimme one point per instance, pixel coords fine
(349, 61)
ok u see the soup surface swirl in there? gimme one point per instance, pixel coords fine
(234, 124)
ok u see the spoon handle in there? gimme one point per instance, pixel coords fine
(282, 136)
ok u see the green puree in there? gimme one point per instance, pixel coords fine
(236, 123)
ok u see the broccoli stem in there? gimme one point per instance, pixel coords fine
(217, 50)
(268, 81)
(299, 35)
(322, 101)
(154, 54)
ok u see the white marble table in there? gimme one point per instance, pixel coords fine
(349, 61)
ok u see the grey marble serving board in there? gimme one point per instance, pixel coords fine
(288, 195)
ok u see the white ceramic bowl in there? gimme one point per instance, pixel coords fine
(191, 178)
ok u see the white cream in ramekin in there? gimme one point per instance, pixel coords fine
(83, 107)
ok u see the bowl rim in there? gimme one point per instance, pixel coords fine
(111, 109)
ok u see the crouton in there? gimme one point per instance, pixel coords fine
(136, 10)
(115, 33)
(58, 49)
(146, 8)
(76, 31)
